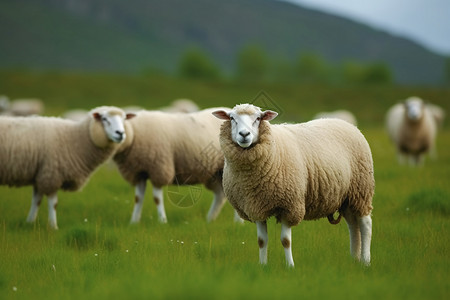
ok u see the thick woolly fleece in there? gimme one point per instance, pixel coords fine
(51, 153)
(172, 148)
(299, 172)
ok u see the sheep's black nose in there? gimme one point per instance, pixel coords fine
(120, 133)
(244, 134)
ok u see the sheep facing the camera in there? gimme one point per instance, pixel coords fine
(297, 172)
(172, 149)
(52, 154)
(412, 129)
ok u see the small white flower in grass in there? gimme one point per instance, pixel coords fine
(126, 251)
(85, 220)
(243, 243)
(182, 242)
(14, 289)
(407, 209)
(96, 254)
(53, 268)
(195, 242)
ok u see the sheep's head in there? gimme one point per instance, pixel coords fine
(414, 108)
(112, 124)
(245, 120)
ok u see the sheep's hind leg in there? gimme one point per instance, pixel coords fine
(35, 203)
(365, 224)
(139, 201)
(263, 240)
(217, 204)
(238, 218)
(354, 232)
(52, 204)
(286, 241)
(159, 201)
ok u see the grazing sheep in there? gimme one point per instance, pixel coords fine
(181, 105)
(412, 128)
(26, 107)
(172, 148)
(52, 153)
(4, 104)
(75, 114)
(438, 114)
(338, 114)
(297, 172)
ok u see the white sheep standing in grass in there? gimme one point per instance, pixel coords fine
(338, 114)
(53, 153)
(297, 172)
(169, 149)
(412, 128)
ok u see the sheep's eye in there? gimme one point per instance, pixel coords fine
(258, 119)
(231, 119)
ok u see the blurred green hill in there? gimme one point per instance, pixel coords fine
(134, 35)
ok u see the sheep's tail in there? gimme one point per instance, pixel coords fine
(331, 218)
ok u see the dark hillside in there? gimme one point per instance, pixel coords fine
(132, 35)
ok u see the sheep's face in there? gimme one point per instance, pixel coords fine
(245, 123)
(113, 123)
(414, 109)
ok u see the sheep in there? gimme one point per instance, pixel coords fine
(172, 148)
(52, 153)
(412, 129)
(297, 172)
(75, 114)
(4, 103)
(339, 114)
(26, 107)
(181, 105)
(438, 114)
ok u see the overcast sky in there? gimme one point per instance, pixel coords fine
(424, 21)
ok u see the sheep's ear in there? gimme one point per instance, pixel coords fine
(221, 114)
(268, 115)
(97, 116)
(130, 116)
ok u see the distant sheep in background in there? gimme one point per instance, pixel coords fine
(21, 107)
(52, 153)
(438, 114)
(338, 114)
(4, 104)
(412, 128)
(181, 105)
(75, 114)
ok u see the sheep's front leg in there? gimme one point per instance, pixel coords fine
(159, 201)
(35, 203)
(365, 223)
(139, 201)
(263, 240)
(52, 204)
(286, 241)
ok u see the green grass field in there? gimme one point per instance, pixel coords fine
(96, 254)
